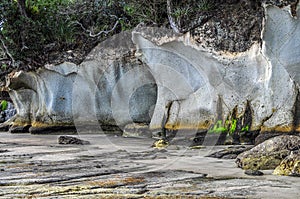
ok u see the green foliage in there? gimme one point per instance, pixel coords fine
(3, 67)
(3, 105)
(130, 9)
(145, 11)
(27, 35)
(181, 12)
(46, 27)
(37, 6)
(205, 5)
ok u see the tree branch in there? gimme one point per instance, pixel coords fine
(91, 34)
(4, 47)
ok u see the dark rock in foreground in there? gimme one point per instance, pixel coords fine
(71, 140)
(230, 153)
(254, 173)
(269, 154)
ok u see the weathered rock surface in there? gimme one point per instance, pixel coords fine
(137, 130)
(269, 154)
(36, 166)
(108, 86)
(170, 81)
(289, 165)
(202, 77)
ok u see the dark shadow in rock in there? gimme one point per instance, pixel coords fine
(230, 153)
(4, 127)
(19, 129)
(254, 173)
(3, 150)
(53, 130)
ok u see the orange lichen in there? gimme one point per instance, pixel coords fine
(178, 126)
(41, 124)
(133, 180)
(283, 128)
(117, 182)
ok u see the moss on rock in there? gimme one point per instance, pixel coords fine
(289, 166)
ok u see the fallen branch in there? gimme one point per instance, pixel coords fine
(91, 34)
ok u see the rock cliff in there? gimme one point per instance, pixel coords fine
(58, 97)
(170, 81)
(191, 78)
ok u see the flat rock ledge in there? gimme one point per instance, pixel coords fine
(36, 166)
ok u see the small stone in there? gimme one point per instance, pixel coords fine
(71, 140)
(160, 144)
(254, 172)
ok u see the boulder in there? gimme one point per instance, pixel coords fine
(289, 166)
(269, 154)
(71, 140)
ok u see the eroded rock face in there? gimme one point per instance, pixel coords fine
(269, 154)
(108, 86)
(191, 78)
(170, 81)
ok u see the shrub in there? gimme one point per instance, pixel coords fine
(34, 31)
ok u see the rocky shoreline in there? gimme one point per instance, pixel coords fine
(111, 166)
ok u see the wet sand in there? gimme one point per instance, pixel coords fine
(36, 166)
